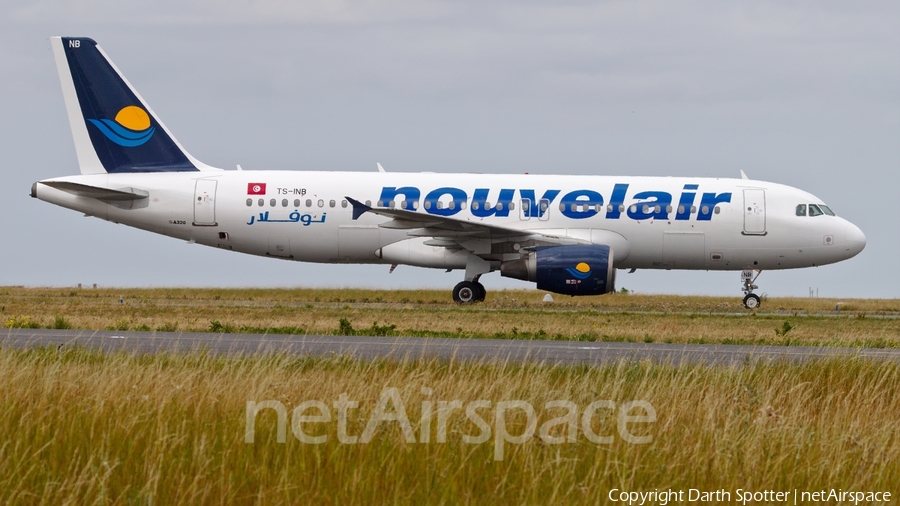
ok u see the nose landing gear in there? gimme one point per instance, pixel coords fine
(751, 300)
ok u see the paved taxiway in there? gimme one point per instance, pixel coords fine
(551, 352)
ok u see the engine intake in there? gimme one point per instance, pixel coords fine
(569, 270)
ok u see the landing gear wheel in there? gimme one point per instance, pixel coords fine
(481, 292)
(466, 292)
(751, 301)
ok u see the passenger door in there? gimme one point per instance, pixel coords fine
(754, 212)
(205, 203)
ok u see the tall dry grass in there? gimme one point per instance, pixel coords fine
(84, 427)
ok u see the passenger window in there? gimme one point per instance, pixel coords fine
(801, 210)
(261, 202)
(296, 202)
(827, 210)
(814, 210)
(344, 203)
(284, 202)
(321, 203)
(308, 203)
(272, 202)
(249, 202)
(499, 206)
(330, 203)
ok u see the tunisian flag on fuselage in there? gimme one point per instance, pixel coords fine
(256, 188)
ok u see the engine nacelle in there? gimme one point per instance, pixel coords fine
(570, 270)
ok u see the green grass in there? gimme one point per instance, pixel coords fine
(505, 315)
(85, 427)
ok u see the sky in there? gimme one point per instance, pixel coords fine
(804, 93)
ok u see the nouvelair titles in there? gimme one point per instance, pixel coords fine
(576, 204)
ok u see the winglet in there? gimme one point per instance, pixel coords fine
(743, 176)
(380, 168)
(358, 207)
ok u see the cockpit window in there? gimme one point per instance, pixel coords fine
(814, 210)
(826, 210)
(801, 210)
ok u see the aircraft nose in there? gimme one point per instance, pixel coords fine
(855, 238)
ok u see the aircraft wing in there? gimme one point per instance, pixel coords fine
(449, 232)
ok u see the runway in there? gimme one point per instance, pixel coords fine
(400, 348)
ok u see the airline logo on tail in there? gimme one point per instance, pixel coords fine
(131, 127)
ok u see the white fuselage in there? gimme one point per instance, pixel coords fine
(650, 222)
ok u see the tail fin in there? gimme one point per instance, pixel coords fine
(114, 129)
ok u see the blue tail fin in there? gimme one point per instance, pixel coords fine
(114, 129)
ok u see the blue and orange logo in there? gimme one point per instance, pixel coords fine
(581, 271)
(131, 127)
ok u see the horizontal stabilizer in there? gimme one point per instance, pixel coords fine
(123, 198)
(96, 192)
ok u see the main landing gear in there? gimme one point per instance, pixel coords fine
(469, 292)
(751, 300)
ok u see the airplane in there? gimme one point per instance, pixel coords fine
(567, 234)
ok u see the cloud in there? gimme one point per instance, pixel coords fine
(802, 93)
(218, 12)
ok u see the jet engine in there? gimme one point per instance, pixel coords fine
(570, 270)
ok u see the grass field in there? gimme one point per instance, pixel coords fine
(83, 427)
(505, 315)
